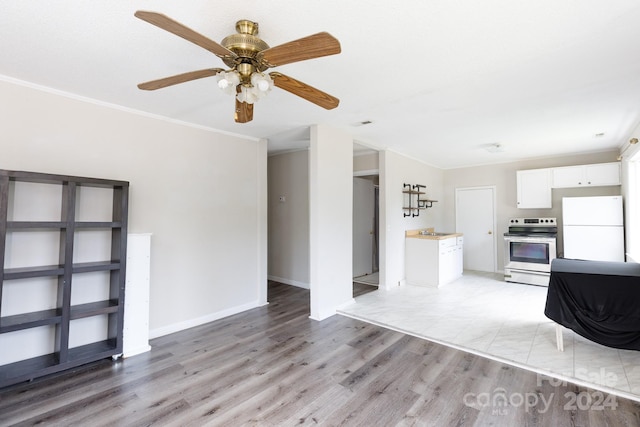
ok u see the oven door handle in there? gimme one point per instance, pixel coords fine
(529, 239)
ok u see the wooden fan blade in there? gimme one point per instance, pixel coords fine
(305, 91)
(314, 46)
(179, 78)
(168, 24)
(244, 112)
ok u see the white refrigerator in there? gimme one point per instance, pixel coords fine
(593, 228)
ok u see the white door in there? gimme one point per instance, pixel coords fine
(363, 218)
(475, 218)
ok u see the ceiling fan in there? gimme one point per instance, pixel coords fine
(248, 57)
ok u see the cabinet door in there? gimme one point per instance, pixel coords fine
(533, 188)
(603, 174)
(587, 175)
(458, 261)
(568, 177)
(446, 265)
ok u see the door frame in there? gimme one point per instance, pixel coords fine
(494, 222)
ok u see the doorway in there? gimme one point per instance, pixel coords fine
(365, 233)
(476, 219)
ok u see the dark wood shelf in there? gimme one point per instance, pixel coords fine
(58, 270)
(106, 224)
(60, 318)
(21, 225)
(94, 309)
(36, 271)
(88, 267)
(47, 178)
(60, 225)
(33, 319)
(94, 351)
(53, 316)
(28, 369)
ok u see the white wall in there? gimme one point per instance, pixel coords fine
(201, 194)
(366, 164)
(288, 177)
(396, 170)
(330, 220)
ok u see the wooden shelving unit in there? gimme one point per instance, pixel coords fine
(61, 313)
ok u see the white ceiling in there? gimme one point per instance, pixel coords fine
(440, 80)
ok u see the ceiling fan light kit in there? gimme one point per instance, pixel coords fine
(260, 85)
(248, 58)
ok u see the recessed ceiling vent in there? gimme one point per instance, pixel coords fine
(495, 148)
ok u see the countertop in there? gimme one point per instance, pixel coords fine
(415, 234)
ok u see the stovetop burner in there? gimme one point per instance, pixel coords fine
(532, 227)
(533, 222)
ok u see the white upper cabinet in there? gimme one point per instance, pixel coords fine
(534, 188)
(534, 185)
(600, 174)
(603, 174)
(570, 176)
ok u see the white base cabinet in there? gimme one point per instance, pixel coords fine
(433, 262)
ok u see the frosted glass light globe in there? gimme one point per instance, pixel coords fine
(262, 82)
(263, 85)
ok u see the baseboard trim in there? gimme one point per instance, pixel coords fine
(181, 326)
(136, 351)
(296, 283)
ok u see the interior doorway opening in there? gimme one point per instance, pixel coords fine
(366, 247)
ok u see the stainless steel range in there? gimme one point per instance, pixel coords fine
(529, 248)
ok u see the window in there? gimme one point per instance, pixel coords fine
(633, 208)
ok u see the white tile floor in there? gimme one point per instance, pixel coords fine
(482, 314)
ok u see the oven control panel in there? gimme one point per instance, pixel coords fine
(532, 221)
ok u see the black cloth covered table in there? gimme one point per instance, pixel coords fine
(599, 300)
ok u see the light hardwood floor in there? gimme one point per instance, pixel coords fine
(273, 366)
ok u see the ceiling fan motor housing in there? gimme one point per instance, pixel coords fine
(246, 44)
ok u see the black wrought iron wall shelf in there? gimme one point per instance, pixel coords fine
(413, 204)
